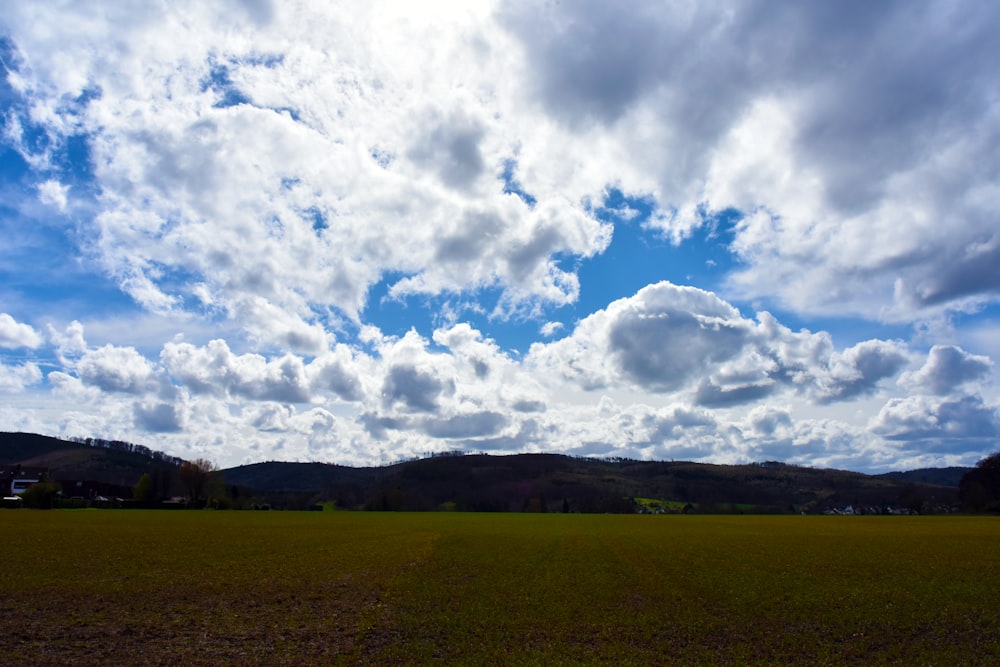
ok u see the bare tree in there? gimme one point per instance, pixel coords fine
(194, 476)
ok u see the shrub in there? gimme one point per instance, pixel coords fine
(41, 495)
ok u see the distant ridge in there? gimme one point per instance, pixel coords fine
(518, 482)
(555, 482)
(110, 461)
(940, 476)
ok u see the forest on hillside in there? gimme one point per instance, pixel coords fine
(140, 476)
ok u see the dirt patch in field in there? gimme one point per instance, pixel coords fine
(262, 626)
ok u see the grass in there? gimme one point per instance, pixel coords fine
(107, 587)
(655, 504)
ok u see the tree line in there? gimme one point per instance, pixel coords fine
(979, 489)
(131, 448)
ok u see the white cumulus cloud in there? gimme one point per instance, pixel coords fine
(14, 334)
(270, 180)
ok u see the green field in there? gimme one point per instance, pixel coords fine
(137, 587)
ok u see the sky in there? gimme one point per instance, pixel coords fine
(362, 232)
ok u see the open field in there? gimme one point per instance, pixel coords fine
(118, 587)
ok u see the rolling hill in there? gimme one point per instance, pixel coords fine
(521, 482)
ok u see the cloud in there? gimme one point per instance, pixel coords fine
(70, 343)
(269, 324)
(215, 370)
(14, 334)
(416, 389)
(669, 339)
(16, 378)
(53, 193)
(673, 334)
(477, 425)
(830, 132)
(471, 352)
(957, 424)
(817, 442)
(272, 417)
(369, 157)
(858, 370)
(661, 339)
(526, 405)
(829, 238)
(250, 173)
(116, 369)
(550, 329)
(160, 417)
(469, 393)
(767, 421)
(336, 371)
(451, 149)
(380, 144)
(711, 395)
(672, 425)
(466, 390)
(947, 368)
(594, 62)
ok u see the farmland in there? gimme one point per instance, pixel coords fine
(106, 587)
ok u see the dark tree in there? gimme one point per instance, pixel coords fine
(41, 495)
(910, 498)
(194, 476)
(979, 488)
(143, 489)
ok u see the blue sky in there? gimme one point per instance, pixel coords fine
(736, 232)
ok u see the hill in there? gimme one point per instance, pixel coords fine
(520, 482)
(939, 476)
(553, 482)
(107, 461)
